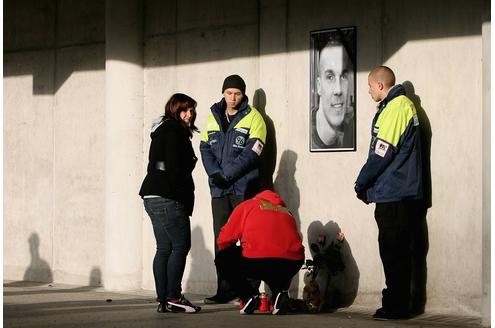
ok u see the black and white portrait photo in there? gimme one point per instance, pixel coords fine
(333, 88)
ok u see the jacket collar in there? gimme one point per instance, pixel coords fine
(394, 92)
(218, 109)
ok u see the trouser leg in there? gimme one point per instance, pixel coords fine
(277, 273)
(222, 207)
(229, 263)
(172, 230)
(420, 247)
(280, 274)
(155, 210)
(394, 240)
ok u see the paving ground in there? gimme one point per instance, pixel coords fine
(55, 305)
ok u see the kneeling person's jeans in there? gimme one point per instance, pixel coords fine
(277, 273)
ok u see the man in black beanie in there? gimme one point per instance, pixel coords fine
(234, 81)
(231, 146)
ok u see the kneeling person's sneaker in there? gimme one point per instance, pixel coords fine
(218, 299)
(251, 304)
(281, 305)
(182, 305)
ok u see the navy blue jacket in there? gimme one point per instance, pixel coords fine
(235, 152)
(393, 171)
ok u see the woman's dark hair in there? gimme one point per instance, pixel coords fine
(178, 103)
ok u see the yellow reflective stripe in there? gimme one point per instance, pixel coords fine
(266, 205)
(394, 119)
(211, 125)
(255, 123)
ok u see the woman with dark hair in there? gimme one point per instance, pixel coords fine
(168, 195)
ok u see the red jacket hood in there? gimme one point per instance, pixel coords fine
(272, 197)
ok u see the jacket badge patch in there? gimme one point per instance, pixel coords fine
(240, 140)
(381, 148)
(258, 147)
(242, 130)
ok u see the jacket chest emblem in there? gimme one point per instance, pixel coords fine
(240, 141)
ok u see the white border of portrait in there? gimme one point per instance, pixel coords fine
(318, 40)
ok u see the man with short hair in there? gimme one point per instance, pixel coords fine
(231, 145)
(392, 178)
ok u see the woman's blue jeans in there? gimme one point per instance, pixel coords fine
(172, 230)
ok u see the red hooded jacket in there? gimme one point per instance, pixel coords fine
(265, 228)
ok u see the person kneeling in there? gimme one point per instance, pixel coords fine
(270, 249)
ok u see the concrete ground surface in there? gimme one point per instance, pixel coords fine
(28, 304)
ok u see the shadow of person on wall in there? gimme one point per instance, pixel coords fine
(420, 242)
(269, 154)
(285, 184)
(95, 277)
(338, 278)
(53, 288)
(38, 269)
(426, 136)
(202, 275)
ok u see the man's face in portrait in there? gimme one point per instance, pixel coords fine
(334, 82)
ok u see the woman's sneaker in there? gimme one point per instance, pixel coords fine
(250, 305)
(162, 308)
(181, 305)
(281, 305)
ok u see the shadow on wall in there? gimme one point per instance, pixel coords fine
(339, 282)
(94, 282)
(426, 135)
(285, 184)
(203, 273)
(421, 241)
(57, 29)
(38, 270)
(269, 155)
(95, 277)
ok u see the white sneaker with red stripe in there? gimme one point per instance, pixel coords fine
(181, 305)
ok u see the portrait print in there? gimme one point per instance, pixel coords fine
(333, 89)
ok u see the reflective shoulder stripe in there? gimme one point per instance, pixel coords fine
(255, 123)
(266, 205)
(211, 125)
(394, 119)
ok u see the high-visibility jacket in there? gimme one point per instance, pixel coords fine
(393, 170)
(233, 153)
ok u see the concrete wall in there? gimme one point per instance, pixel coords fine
(54, 87)
(487, 165)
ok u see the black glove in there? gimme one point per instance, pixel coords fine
(219, 181)
(361, 194)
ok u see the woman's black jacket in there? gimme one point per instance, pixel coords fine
(171, 162)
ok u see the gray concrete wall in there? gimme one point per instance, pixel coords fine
(487, 174)
(54, 86)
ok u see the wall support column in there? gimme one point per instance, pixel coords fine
(488, 143)
(123, 144)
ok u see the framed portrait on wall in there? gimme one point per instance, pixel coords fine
(333, 89)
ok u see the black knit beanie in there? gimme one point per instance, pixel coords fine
(234, 81)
